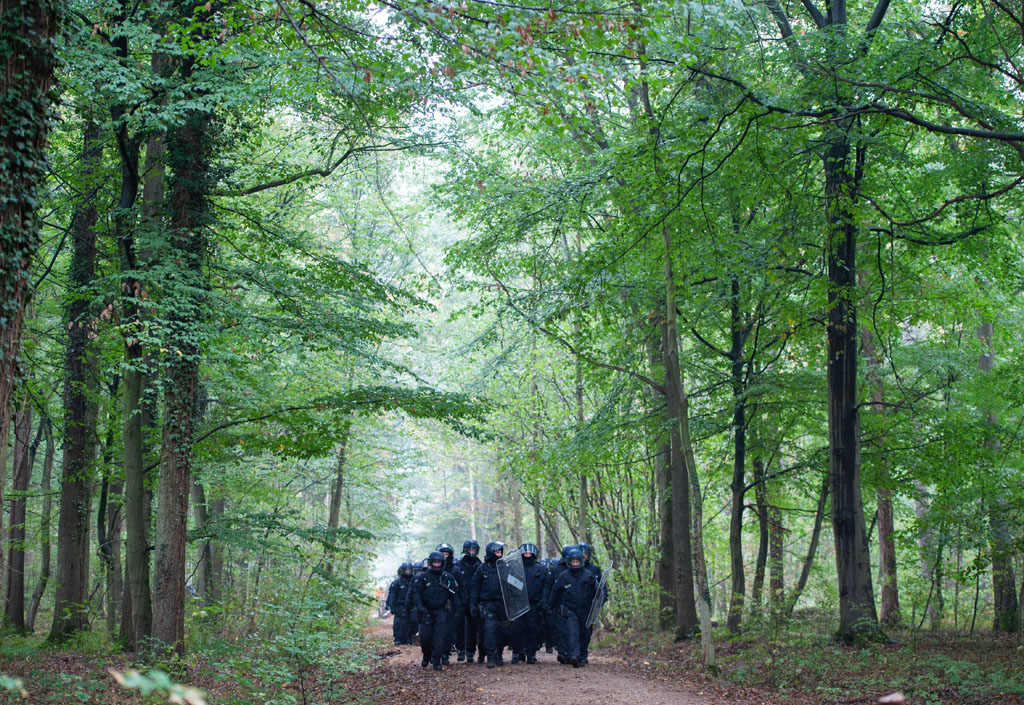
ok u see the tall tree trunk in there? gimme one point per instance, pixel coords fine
(890, 611)
(14, 603)
(515, 497)
(581, 521)
(44, 528)
(553, 534)
(201, 515)
(857, 614)
(1004, 582)
(928, 547)
(188, 158)
(79, 411)
(115, 570)
(761, 498)
(812, 549)
(666, 574)
(135, 251)
(338, 487)
(538, 527)
(27, 34)
(472, 501)
(137, 626)
(776, 560)
(108, 518)
(686, 607)
(215, 579)
(739, 430)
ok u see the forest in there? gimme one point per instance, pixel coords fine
(295, 290)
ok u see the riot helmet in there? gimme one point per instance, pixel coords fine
(588, 550)
(575, 559)
(406, 570)
(529, 552)
(435, 561)
(494, 551)
(470, 547)
(425, 565)
(446, 548)
(566, 549)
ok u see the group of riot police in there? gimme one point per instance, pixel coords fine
(458, 605)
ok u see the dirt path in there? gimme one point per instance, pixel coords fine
(607, 680)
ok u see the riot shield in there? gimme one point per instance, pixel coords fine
(512, 578)
(600, 597)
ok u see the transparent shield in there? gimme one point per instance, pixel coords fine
(512, 577)
(599, 598)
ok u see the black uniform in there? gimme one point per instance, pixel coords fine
(528, 630)
(571, 597)
(469, 633)
(398, 604)
(435, 597)
(485, 599)
(449, 566)
(554, 621)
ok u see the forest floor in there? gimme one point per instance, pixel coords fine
(610, 678)
(624, 669)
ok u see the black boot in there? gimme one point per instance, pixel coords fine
(515, 658)
(462, 656)
(425, 662)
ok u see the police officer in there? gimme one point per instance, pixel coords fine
(448, 552)
(486, 602)
(527, 631)
(555, 621)
(469, 633)
(571, 597)
(435, 596)
(398, 603)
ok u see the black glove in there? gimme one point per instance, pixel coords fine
(474, 611)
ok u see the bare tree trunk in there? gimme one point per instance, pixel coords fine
(1004, 582)
(812, 549)
(338, 487)
(201, 515)
(69, 614)
(890, 612)
(44, 528)
(136, 608)
(738, 487)
(215, 551)
(14, 603)
(776, 560)
(857, 614)
(108, 519)
(581, 522)
(517, 509)
(538, 527)
(686, 608)
(472, 501)
(663, 478)
(761, 496)
(553, 534)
